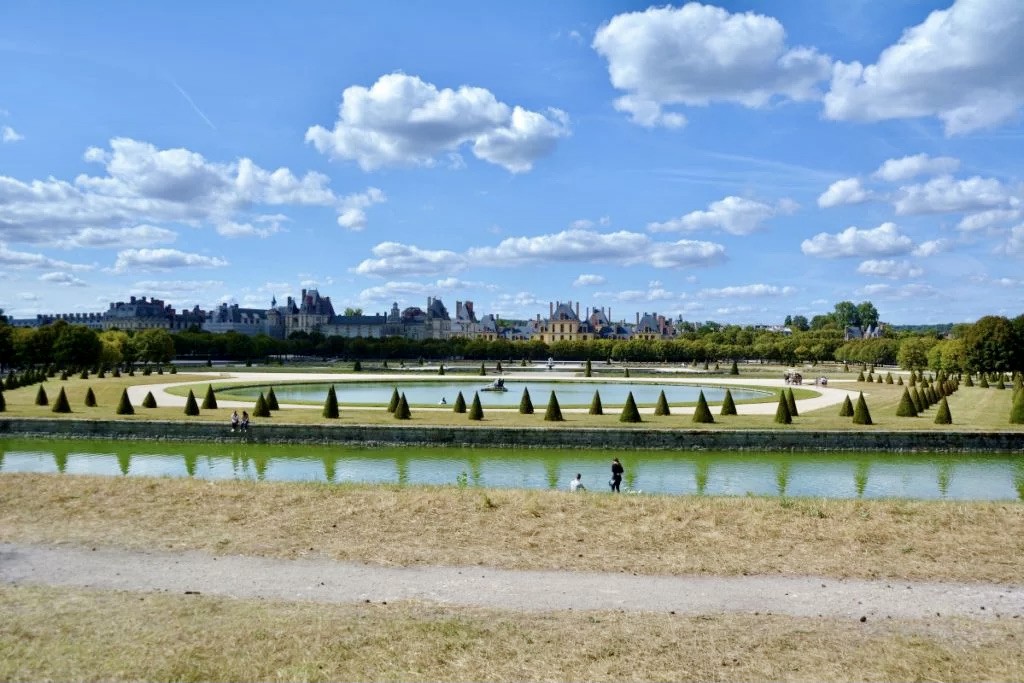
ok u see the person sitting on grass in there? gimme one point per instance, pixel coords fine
(234, 421)
(577, 484)
(245, 421)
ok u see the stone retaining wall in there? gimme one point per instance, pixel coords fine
(617, 439)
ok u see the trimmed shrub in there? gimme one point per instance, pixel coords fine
(625, 372)
(888, 378)
(395, 400)
(906, 407)
(174, 369)
(440, 369)
(702, 413)
(1017, 409)
(968, 382)
(943, 417)
(919, 405)
(402, 412)
(899, 381)
(101, 374)
(41, 397)
(191, 407)
(860, 377)
(476, 411)
(984, 381)
(586, 369)
(483, 370)
(272, 400)
(661, 407)
(84, 374)
(913, 379)
(782, 414)
(149, 401)
(734, 369)
(554, 411)
(497, 367)
(460, 404)
(330, 410)
(846, 410)
(791, 403)
(116, 372)
(595, 405)
(90, 398)
(61, 405)
(3, 402)
(210, 400)
(861, 414)
(870, 378)
(159, 369)
(629, 410)
(260, 409)
(357, 366)
(728, 405)
(124, 406)
(1000, 384)
(525, 404)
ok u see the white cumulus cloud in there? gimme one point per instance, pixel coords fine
(734, 215)
(163, 259)
(393, 258)
(905, 168)
(353, 208)
(885, 240)
(755, 290)
(402, 120)
(890, 268)
(988, 219)
(8, 134)
(946, 194)
(587, 280)
(846, 191)
(961, 64)
(697, 54)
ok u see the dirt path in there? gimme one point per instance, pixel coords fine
(335, 582)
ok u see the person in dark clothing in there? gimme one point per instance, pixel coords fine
(617, 471)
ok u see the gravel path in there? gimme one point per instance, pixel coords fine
(317, 580)
(827, 396)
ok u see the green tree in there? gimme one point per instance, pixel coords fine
(90, 398)
(661, 407)
(395, 400)
(868, 314)
(260, 409)
(791, 403)
(586, 369)
(525, 403)
(595, 404)
(77, 346)
(210, 399)
(41, 398)
(330, 410)
(61, 405)
(782, 414)
(147, 402)
(846, 314)
(476, 411)
(272, 403)
(728, 405)
(943, 416)
(630, 413)
(154, 346)
(124, 406)
(846, 410)
(1017, 409)
(554, 411)
(402, 412)
(990, 344)
(734, 369)
(906, 407)
(460, 404)
(702, 414)
(191, 407)
(861, 415)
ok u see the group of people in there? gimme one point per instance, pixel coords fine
(617, 471)
(240, 425)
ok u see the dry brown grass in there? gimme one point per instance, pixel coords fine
(523, 529)
(78, 634)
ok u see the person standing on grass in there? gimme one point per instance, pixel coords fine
(617, 471)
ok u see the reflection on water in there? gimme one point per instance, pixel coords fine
(831, 475)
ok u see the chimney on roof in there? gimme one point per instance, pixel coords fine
(577, 309)
(638, 317)
(551, 310)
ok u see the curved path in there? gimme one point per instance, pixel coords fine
(827, 396)
(321, 580)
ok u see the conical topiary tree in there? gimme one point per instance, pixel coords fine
(402, 412)
(210, 400)
(41, 398)
(629, 410)
(899, 381)
(149, 401)
(661, 407)
(906, 407)
(1017, 409)
(888, 378)
(984, 381)
(124, 406)
(625, 372)
(846, 410)
(460, 404)
(586, 369)
(702, 413)
(483, 370)
(861, 414)
(191, 407)
(734, 369)
(1000, 384)
(943, 416)
(497, 367)
(728, 405)
(860, 376)
(595, 405)
(476, 411)
(272, 400)
(330, 410)
(791, 403)
(782, 414)
(440, 369)
(553, 413)
(357, 366)
(525, 403)
(61, 405)
(968, 382)
(90, 398)
(261, 409)
(3, 401)
(395, 399)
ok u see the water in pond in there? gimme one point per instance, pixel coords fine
(830, 475)
(431, 392)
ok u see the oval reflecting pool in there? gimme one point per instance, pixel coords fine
(830, 475)
(432, 392)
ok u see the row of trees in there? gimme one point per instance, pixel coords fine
(993, 344)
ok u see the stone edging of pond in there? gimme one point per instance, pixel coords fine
(614, 439)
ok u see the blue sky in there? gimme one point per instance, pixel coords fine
(737, 162)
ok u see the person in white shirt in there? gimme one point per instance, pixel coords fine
(577, 484)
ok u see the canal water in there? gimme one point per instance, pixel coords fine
(576, 393)
(829, 475)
